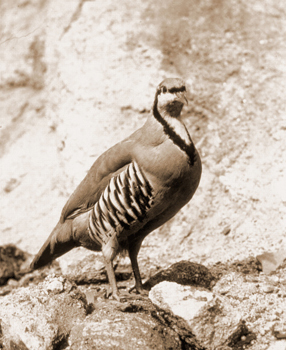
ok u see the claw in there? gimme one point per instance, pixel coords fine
(139, 290)
(131, 289)
(116, 296)
(111, 294)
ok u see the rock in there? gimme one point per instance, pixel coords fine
(218, 324)
(184, 301)
(86, 268)
(213, 320)
(12, 282)
(94, 294)
(11, 261)
(226, 230)
(267, 288)
(279, 330)
(185, 273)
(11, 185)
(270, 261)
(55, 286)
(32, 318)
(56, 314)
(274, 280)
(109, 328)
(278, 345)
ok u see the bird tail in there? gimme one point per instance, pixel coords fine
(58, 243)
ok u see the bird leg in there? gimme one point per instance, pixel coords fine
(109, 252)
(112, 281)
(133, 252)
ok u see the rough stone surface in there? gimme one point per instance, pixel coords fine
(11, 261)
(214, 322)
(184, 301)
(55, 314)
(278, 345)
(86, 268)
(271, 260)
(40, 318)
(185, 273)
(110, 328)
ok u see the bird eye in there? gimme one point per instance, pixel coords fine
(163, 89)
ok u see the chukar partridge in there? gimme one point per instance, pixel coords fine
(131, 189)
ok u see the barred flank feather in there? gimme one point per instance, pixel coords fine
(125, 200)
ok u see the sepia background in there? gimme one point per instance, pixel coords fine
(78, 76)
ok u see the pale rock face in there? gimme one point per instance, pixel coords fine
(278, 345)
(55, 285)
(183, 301)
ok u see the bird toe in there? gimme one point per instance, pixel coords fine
(139, 290)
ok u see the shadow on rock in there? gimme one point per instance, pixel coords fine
(12, 262)
(185, 273)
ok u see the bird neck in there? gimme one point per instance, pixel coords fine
(175, 129)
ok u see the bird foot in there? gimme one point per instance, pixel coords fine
(125, 296)
(110, 294)
(139, 290)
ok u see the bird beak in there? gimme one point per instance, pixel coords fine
(181, 97)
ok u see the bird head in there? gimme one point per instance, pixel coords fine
(171, 96)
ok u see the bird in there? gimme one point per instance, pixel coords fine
(131, 189)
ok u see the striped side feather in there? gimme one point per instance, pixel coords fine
(125, 201)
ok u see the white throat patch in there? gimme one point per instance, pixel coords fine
(179, 128)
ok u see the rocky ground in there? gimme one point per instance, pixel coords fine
(77, 77)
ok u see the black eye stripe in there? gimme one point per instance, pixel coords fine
(180, 89)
